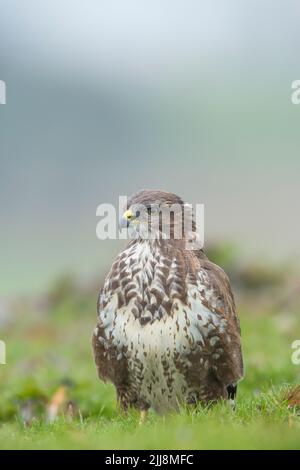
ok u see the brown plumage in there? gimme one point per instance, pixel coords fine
(167, 330)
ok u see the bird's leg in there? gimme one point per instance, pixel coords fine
(123, 402)
(143, 417)
(122, 409)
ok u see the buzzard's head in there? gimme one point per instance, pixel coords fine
(152, 214)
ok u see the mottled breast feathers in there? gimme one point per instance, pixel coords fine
(167, 330)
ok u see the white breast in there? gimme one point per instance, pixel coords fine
(155, 346)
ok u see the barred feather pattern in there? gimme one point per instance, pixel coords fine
(167, 330)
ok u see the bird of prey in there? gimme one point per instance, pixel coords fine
(167, 331)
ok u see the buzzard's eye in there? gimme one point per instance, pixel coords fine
(138, 213)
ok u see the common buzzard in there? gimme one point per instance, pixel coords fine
(167, 330)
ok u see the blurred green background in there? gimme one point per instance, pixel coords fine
(108, 97)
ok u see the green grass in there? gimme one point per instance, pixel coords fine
(248, 428)
(46, 345)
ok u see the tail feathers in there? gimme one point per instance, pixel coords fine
(231, 390)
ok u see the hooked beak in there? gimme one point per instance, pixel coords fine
(126, 219)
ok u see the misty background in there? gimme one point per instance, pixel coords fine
(105, 98)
